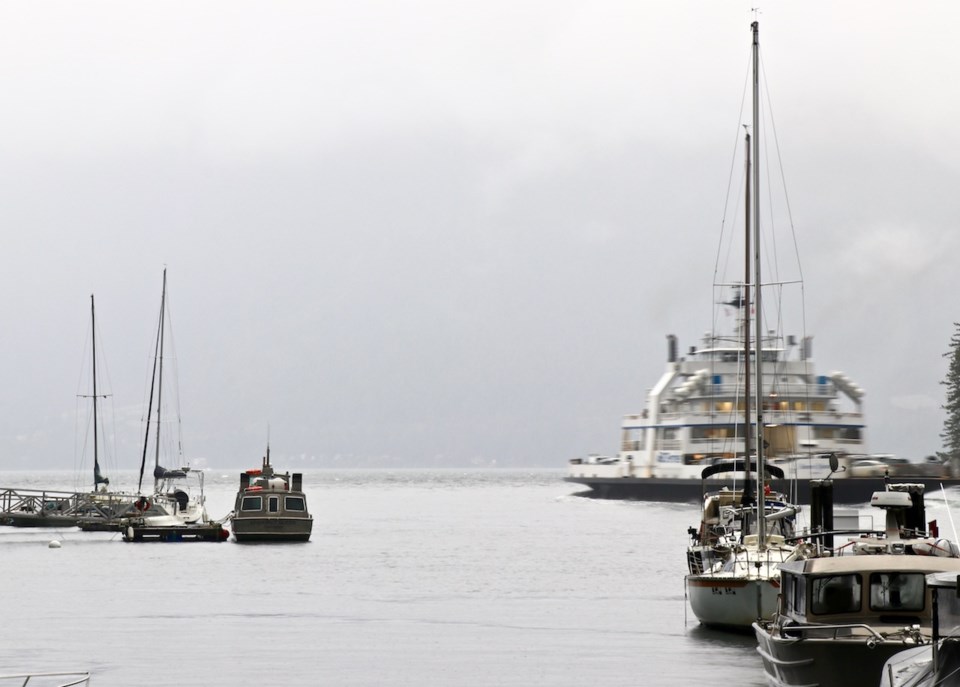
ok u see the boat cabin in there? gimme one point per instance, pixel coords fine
(847, 590)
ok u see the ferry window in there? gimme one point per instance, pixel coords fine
(251, 503)
(294, 503)
(274, 504)
(836, 594)
(896, 591)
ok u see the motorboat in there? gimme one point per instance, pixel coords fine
(47, 679)
(271, 506)
(936, 664)
(845, 610)
(733, 563)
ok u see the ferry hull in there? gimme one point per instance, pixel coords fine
(846, 490)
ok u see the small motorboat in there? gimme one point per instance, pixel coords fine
(271, 506)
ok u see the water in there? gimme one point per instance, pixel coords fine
(411, 578)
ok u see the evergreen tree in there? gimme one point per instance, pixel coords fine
(951, 426)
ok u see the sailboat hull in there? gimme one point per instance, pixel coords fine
(731, 602)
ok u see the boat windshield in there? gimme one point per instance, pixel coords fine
(948, 612)
(894, 591)
(836, 594)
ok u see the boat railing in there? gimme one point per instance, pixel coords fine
(827, 631)
(58, 502)
(783, 416)
(71, 679)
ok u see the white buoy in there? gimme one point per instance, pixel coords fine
(54, 544)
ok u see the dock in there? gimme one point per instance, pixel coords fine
(46, 508)
(140, 532)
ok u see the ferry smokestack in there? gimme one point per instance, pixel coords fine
(671, 348)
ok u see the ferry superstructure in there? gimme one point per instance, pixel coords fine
(694, 417)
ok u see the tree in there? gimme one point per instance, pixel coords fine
(951, 426)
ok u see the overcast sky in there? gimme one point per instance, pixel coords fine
(452, 233)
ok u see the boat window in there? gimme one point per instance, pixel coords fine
(836, 594)
(895, 591)
(786, 590)
(251, 503)
(799, 596)
(948, 612)
(273, 504)
(294, 503)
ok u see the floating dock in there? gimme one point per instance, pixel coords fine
(138, 532)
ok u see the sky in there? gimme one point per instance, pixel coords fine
(430, 233)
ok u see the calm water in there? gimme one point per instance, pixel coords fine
(411, 578)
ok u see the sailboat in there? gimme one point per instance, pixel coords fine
(89, 510)
(177, 497)
(99, 481)
(733, 562)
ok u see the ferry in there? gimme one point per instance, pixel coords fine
(694, 417)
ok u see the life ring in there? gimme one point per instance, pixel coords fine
(142, 504)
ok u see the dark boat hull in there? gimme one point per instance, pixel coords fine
(847, 490)
(15, 519)
(256, 529)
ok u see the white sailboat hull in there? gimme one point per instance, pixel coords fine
(731, 602)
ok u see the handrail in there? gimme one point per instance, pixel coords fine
(834, 628)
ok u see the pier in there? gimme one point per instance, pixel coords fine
(46, 508)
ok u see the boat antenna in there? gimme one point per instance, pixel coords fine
(266, 459)
(949, 512)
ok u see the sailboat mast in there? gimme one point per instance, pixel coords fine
(153, 380)
(93, 338)
(761, 524)
(163, 309)
(745, 326)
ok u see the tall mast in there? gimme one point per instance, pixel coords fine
(163, 308)
(746, 317)
(761, 524)
(153, 381)
(97, 477)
